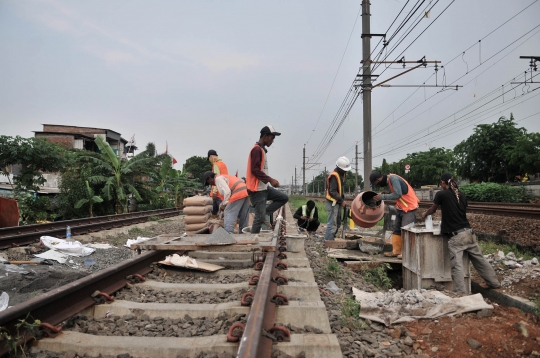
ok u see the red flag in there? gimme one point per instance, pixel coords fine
(174, 161)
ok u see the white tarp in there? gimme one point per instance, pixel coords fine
(138, 240)
(72, 248)
(389, 315)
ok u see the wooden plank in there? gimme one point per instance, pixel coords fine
(341, 244)
(245, 242)
(361, 266)
(192, 246)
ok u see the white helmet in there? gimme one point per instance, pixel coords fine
(344, 163)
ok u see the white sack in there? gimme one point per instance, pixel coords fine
(138, 240)
(73, 248)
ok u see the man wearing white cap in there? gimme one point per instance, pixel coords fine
(257, 180)
(335, 199)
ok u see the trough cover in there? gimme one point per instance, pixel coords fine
(220, 237)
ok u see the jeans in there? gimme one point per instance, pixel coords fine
(403, 219)
(215, 206)
(258, 201)
(334, 220)
(465, 242)
(236, 210)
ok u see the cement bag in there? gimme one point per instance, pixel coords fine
(198, 201)
(195, 227)
(197, 210)
(196, 219)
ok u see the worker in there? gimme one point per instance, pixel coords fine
(259, 184)
(461, 238)
(335, 198)
(235, 204)
(406, 204)
(307, 217)
(218, 168)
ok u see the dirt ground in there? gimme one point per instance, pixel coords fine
(507, 333)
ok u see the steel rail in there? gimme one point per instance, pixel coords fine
(23, 235)
(253, 343)
(523, 210)
(62, 303)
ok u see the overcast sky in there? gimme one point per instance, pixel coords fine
(206, 75)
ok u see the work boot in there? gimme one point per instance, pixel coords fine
(396, 247)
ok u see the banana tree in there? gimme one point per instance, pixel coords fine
(120, 174)
(91, 199)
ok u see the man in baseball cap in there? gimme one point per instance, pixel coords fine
(259, 184)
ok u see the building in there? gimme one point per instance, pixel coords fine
(83, 138)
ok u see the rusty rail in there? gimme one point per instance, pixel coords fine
(23, 235)
(523, 210)
(254, 344)
(62, 303)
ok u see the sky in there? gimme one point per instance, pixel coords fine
(203, 75)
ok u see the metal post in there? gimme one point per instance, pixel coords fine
(304, 171)
(356, 179)
(294, 178)
(366, 86)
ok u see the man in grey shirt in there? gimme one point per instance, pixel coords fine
(406, 204)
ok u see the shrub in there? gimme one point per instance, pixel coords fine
(492, 192)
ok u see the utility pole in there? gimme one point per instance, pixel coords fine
(295, 178)
(291, 185)
(304, 171)
(356, 179)
(366, 86)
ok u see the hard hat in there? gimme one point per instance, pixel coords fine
(344, 163)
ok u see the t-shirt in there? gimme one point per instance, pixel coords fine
(453, 213)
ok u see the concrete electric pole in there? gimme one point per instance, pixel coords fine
(366, 86)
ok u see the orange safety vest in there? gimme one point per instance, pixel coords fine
(238, 188)
(252, 181)
(340, 190)
(222, 170)
(407, 202)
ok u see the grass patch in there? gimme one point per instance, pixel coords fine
(332, 268)
(350, 309)
(490, 247)
(378, 276)
(153, 218)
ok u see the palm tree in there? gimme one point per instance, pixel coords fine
(91, 199)
(120, 173)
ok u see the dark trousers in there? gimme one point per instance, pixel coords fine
(258, 201)
(310, 226)
(215, 206)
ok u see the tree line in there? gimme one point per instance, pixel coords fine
(94, 183)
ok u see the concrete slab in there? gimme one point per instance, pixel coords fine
(504, 299)
(314, 345)
(297, 313)
(306, 291)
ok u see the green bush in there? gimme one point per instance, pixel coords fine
(492, 192)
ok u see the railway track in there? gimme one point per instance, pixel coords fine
(522, 210)
(24, 235)
(240, 311)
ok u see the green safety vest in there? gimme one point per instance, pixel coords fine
(304, 211)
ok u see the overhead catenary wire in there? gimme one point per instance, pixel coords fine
(452, 60)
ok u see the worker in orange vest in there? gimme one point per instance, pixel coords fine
(219, 168)
(259, 184)
(235, 203)
(335, 198)
(406, 204)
